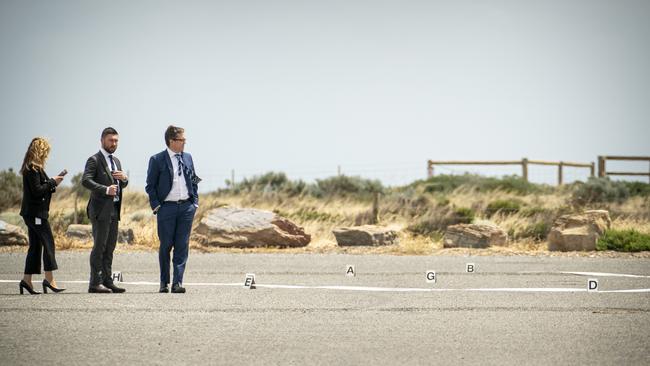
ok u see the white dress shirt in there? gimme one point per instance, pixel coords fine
(108, 161)
(179, 186)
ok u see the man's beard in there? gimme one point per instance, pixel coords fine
(111, 149)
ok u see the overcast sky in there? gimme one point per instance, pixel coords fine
(377, 87)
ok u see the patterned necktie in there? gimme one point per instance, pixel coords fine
(189, 173)
(181, 167)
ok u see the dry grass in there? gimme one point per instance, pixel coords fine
(320, 216)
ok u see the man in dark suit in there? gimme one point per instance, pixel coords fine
(172, 186)
(104, 177)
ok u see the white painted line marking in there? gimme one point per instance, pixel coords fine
(381, 289)
(630, 291)
(601, 274)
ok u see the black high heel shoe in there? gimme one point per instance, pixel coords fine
(24, 285)
(46, 285)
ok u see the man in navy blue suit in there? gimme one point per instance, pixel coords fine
(172, 186)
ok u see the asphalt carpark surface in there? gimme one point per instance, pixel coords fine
(512, 310)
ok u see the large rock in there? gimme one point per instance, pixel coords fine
(578, 232)
(85, 233)
(248, 228)
(12, 235)
(474, 236)
(370, 235)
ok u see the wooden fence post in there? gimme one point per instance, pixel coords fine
(560, 167)
(593, 169)
(524, 168)
(375, 209)
(601, 166)
(429, 169)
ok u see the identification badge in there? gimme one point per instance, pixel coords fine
(38, 221)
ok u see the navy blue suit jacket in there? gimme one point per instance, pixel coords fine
(160, 175)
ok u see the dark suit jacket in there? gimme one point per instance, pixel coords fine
(97, 177)
(37, 191)
(160, 177)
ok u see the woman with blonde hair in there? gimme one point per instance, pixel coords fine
(37, 191)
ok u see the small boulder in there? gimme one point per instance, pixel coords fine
(79, 232)
(85, 233)
(12, 235)
(578, 232)
(248, 228)
(474, 236)
(125, 235)
(366, 235)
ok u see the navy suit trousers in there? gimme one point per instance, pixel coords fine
(174, 227)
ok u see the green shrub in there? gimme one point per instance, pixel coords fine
(268, 182)
(533, 211)
(442, 201)
(77, 188)
(465, 215)
(438, 221)
(444, 183)
(538, 231)
(138, 216)
(447, 183)
(314, 191)
(82, 217)
(638, 188)
(624, 241)
(311, 214)
(511, 183)
(507, 207)
(278, 182)
(59, 221)
(416, 206)
(599, 190)
(11, 191)
(427, 226)
(343, 184)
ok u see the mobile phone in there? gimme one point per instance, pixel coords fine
(63, 172)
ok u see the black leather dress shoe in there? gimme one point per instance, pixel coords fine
(178, 289)
(115, 289)
(99, 289)
(164, 288)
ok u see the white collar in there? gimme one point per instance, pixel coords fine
(172, 154)
(104, 152)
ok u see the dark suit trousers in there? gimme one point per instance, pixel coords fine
(101, 257)
(40, 237)
(174, 227)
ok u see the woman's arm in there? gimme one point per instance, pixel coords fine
(36, 187)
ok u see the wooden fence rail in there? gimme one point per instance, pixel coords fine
(602, 170)
(523, 162)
